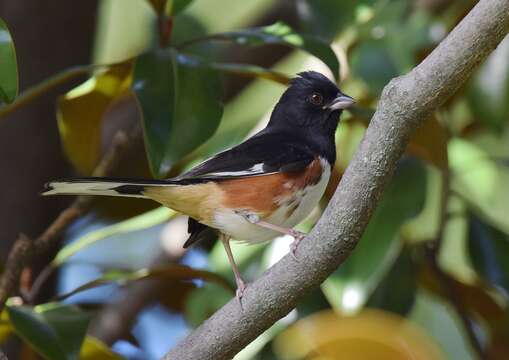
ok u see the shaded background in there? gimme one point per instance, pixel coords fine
(429, 279)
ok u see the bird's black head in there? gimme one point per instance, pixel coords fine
(311, 103)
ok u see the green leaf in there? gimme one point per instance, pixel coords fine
(80, 114)
(372, 62)
(94, 349)
(396, 292)
(8, 66)
(174, 7)
(488, 91)
(441, 322)
(280, 34)
(251, 71)
(475, 176)
(479, 304)
(55, 331)
(348, 288)
(325, 18)
(143, 221)
(489, 252)
(168, 272)
(204, 302)
(181, 104)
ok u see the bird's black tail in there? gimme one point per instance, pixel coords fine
(102, 186)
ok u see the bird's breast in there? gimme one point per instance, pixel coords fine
(283, 199)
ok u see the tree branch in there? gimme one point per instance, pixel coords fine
(24, 249)
(405, 103)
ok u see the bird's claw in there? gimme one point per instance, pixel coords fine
(297, 236)
(239, 293)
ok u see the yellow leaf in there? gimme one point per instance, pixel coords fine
(94, 349)
(80, 114)
(5, 327)
(372, 334)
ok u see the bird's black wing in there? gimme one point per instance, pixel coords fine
(263, 154)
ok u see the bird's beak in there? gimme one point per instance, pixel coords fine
(339, 103)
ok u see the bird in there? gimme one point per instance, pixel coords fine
(256, 190)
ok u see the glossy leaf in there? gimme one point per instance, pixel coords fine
(282, 34)
(441, 322)
(251, 71)
(169, 272)
(174, 7)
(348, 288)
(480, 182)
(181, 104)
(143, 221)
(80, 114)
(479, 305)
(246, 70)
(55, 331)
(489, 252)
(94, 349)
(372, 334)
(397, 290)
(488, 91)
(373, 63)
(204, 302)
(8, 66)
(325, 18)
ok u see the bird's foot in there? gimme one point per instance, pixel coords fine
(241, 287)
(297, 236)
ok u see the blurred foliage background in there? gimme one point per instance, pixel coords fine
(179, 80)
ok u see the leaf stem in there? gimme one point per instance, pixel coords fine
(200, 39)
(50, 83)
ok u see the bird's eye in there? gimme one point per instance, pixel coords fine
(316, 99)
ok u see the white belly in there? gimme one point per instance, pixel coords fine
(304, 202)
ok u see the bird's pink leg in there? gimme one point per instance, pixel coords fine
(297, 235)
(241, 285)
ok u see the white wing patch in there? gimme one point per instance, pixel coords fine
(256, 169)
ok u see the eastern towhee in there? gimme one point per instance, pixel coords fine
(258, 189)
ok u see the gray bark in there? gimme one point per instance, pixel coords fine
(405, 103)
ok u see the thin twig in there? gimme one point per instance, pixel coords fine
(24, 250)
(19, 256)
(115, 320)
(40, 89)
